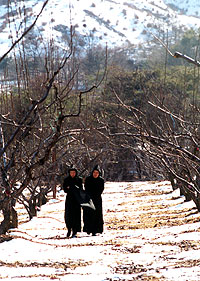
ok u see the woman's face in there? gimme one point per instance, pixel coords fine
(95, 174)
(72, 173)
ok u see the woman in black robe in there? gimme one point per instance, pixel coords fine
(93, 219)
(72, 206)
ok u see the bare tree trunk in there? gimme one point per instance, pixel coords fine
(54, 181)
(197, 201)
(10, 217)
(32, 208)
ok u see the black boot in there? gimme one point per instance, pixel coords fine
(69, 232)
(74, 234)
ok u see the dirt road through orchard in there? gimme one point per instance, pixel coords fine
(158, 229)
(150, 234)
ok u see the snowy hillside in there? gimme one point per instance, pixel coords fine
(190, 8)
(114, 22)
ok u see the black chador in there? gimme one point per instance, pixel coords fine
(93, 219)
(72, 206)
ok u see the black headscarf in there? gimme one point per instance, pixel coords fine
(73, 168)
(97, 168)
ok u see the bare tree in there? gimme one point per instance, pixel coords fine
(159, 127)
(37, 109)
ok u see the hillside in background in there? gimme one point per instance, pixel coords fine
(99, 22)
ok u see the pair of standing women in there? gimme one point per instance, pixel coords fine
(92, 219)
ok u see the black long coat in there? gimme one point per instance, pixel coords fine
(93, 219)
(72, 207)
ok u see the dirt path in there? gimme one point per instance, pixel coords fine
(150, 234)
(164, 241)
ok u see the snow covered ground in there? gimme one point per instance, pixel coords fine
(150, 233)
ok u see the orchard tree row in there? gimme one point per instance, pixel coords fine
(138, 121)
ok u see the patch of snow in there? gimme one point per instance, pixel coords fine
(40, 250)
